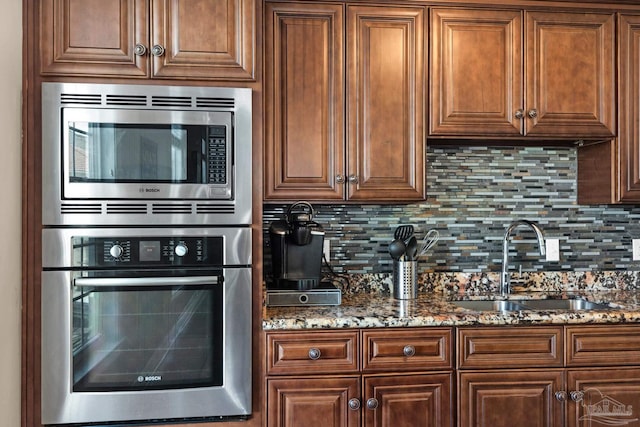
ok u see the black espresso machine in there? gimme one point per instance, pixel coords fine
(296, 256)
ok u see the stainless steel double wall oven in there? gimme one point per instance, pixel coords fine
(146, 253)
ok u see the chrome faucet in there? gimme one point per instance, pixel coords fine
(504, 276)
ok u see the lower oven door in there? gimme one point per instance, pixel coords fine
(145, 348)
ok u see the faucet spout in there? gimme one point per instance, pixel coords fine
(505, 287)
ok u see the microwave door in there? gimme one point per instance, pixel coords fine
(139, 154)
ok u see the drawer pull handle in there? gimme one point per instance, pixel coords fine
(576, 396)
(409, 350)
(354, 404)
(561, 396)
(372, 403)
(314, 353)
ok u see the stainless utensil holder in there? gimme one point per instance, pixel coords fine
(405, 279)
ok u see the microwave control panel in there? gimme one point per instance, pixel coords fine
(147, 251)
(217, 154)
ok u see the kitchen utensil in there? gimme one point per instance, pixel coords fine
(397, 249)
(429, 241)
(403, 232)
(412, 248)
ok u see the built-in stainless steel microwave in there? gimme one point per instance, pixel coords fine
(145, 154)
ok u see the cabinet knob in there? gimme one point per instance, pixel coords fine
(354, 404)
(353, 179)
(533, 113)
(519, 114)
(340, 179)
(157, 50)
(561, 396)
(372, 403)
(409, 350)
(576, 396)
(314, 353)
(139, 50)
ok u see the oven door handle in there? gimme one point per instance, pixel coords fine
(146, 281)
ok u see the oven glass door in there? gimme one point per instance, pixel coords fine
(146, 153)
(142, 333)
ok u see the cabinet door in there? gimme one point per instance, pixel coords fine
(629, 140)
(304, 102)
(510, 398)
(604, 397)
(570, 74)
(476, 72)
(313, 402)
(93, 37)
(408, 400)
(204, 39)
(385, 109)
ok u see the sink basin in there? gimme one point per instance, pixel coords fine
(543, 304)
(500, 305)
(563, 304)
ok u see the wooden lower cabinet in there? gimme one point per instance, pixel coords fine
(524, 376)
(407, 400)
(579, 375)
(510, 398)
(422, 400)
(397, 377)
(600, 397)
(313, 402)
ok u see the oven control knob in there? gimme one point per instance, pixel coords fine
(181, 249)
(116, 251)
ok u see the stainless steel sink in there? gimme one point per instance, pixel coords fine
(539, 305)
(563, 304)
(484, 305)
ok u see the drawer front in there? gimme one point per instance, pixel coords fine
(407, 349)
(603, 345)
(312, 352)
(510, 347)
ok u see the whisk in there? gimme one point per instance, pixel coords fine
(429, 241)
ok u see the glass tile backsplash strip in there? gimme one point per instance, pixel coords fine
(473, 194)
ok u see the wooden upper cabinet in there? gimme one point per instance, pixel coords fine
(310, 151)
(93, 37)
(304, 95)
(385, 103)
(476, 72)
(204, 39)
(480, 86)
(570, 74)
(190, 39)
(629, 87)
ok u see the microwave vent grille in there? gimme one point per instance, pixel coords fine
(162, 208)
(171, 101)
(126, 100)
(203, 208)
(81, 98)
(226, 103)
(84, 208)
(117, 208)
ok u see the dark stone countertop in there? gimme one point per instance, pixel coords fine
(379, 310)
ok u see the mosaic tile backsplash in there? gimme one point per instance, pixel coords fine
(473, 194)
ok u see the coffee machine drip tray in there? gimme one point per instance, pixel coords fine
(323, 294)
